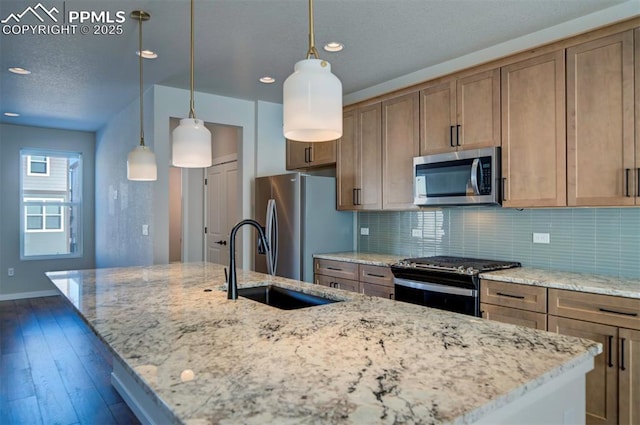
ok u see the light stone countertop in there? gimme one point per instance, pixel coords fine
(369, 258)
(363, 361)
(596, 284)
(583, 282)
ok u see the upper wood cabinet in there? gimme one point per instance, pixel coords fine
(359, 162)
(400, 143)
(601, 151)
(463, 113)
(533, 132)
(304, 155)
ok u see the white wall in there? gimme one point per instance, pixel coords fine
(171, 102)
(29, 279)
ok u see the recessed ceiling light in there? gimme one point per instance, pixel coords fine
(147, 54)
(333, 46)
(18, 70)
(11, 114)
(267, 80)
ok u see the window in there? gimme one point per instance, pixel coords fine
(37, 165)
(51, 203)
(43, 216)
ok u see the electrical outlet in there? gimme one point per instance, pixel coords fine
(11, 272)
(145, 230)
(364, 231)
(416, 233)
(541, 238)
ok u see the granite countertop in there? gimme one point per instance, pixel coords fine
(596, 284)
(362, 258)
(583, 282)
(365, 360)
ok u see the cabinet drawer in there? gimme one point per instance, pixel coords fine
(606, 309)
(375, 290)
(376, 274)
(529, 319)
(334, 268)
(336, 282)
(524, 297)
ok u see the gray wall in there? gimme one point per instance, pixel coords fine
(590, 240)
(29, 274)
(123, 206)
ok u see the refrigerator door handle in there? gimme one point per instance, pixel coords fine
(272, 237)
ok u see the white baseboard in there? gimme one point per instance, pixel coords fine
(33, 294)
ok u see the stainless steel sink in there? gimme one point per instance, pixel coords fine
(282, 298)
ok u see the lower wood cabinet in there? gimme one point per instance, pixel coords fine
(522, 305)
(371, 280)
(613, 387)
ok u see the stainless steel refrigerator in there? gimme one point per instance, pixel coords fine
(307, 222)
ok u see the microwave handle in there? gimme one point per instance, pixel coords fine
(474, 175)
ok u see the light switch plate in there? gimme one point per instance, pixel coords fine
(416, 233)
(541, 238)
(364, 231)
(145, 230)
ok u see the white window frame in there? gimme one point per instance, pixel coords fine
(59, 202)
(46, 161)
(76, 204)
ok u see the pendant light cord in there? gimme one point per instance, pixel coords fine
(312, 44)
(192, 108)
(141, 82)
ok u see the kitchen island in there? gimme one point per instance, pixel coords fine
(183, 353)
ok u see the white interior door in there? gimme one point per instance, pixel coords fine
(222, 212)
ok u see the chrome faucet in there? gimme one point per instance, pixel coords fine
(232, 284)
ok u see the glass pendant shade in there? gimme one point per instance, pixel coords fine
(191, 147)
(141, 164)
(312, 103)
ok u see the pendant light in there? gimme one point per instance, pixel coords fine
(312, 98)
(141, 161)
(191, 147)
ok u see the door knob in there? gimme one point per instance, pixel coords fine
(221, 242)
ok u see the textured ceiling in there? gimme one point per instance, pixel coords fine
(80, 81)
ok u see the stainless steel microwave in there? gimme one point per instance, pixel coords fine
(457, 178)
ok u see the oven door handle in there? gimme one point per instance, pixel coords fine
(435, 287)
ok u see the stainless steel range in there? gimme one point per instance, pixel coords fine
(447, 283)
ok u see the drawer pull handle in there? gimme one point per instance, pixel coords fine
(610, 350)
(375, 275)
(604, 310)
(334, 268)
(520, 297)
(622, 355)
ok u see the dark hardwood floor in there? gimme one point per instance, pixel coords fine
(53, 369)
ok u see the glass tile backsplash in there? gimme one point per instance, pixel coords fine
(588, 240)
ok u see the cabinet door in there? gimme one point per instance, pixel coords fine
(533, 132)
(602, 381)
(528, 319)
(438, 118)
(346, 162)
(629, 377)
(478, 110)
(297, 155)
(337, 282)
(600, 128)
(320, 154)
(375, 290)
(369, 195)
(637, 102)
(400, 143)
